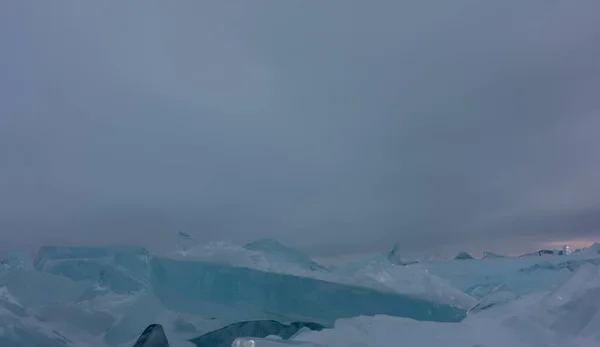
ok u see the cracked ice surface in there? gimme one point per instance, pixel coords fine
(106, 296)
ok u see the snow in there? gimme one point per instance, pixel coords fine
(267, 294)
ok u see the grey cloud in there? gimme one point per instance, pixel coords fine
(337, 127)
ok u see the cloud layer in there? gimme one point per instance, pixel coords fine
(338, 127)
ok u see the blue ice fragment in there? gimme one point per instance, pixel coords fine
(142, 313)
(153, 336)
(185, 241)
(491, 255)
(238, 294)
(122, 269)
(34, 288)
(22, 336)
(16, 259)
(393, 256)
(462, 255)
(499, 295)
(133, 258)
(479, 291)
(464, 275)
(276, 252)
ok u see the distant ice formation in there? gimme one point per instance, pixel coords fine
(462, 255)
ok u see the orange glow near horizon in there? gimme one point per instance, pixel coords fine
(573, 244)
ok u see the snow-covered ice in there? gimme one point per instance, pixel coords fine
(265, 294)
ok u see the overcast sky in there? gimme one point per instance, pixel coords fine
(339, 127)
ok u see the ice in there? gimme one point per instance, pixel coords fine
(479, 291)
(276, 252)
(574, 307)
(393, 257)
(153, 336)
(568, 316)
(463, 275)
(380, 272)
(498, 295)
(270, 256)
(271, 329)
(570, 265)
(463, 256)
(16, 259)
(145, 311)
(592, 251)
(17, 335)
(33, 288)
(248, 294)
(258, 342)
(73, 318)
(122, 269)
(185, 242)
(267, 255)
(213, 294)
(380, 331)
(487, 255)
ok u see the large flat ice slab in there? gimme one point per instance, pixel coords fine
(211, 289)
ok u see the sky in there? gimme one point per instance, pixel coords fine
(337, 127)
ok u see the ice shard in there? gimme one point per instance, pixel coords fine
(143, 312)
(499, 295)
(574, 307)
(225, 336)
(491, 255)
(153, 336)
(275, 251)
(237, 294)
(462, 255)
(393, 256)
(185, 242)
(17, 335)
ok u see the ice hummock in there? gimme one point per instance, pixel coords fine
(463, 275)
(122, 269)
(574, 307)
(498, 295)
(16, 259)
(108, 294)
(462, 255)
(249, 294)
(566, 317)
(488, 255)
(55, 304)
(592, 251)
(264, 254)
(274, 251)
(388, 271)
(379, 273)
(153, 336)
(185, 242)
(393, 256)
